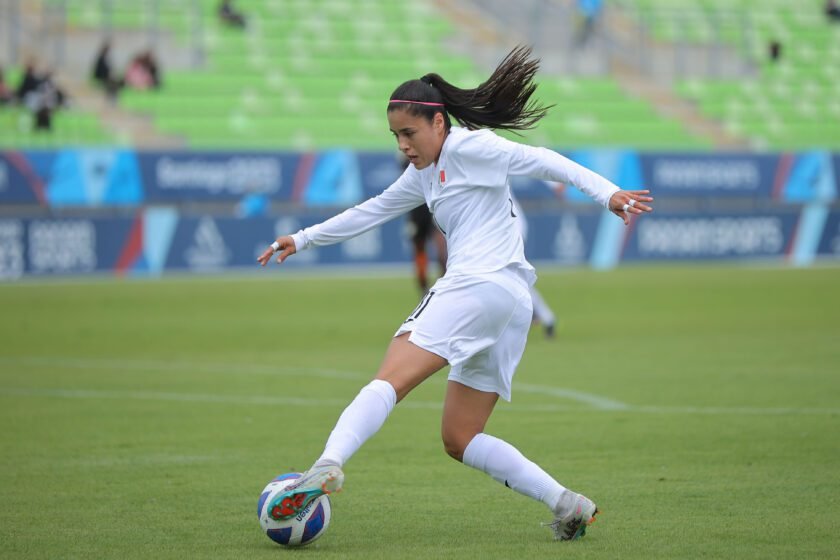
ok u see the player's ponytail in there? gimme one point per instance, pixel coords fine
(503, 101)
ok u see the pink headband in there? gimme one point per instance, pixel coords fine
(417, 102)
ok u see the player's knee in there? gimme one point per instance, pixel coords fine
(454, 445)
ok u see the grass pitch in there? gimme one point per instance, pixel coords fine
(699, 407)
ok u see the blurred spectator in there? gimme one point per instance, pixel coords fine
(832, 10)
(775, 50)
(229, 15)
(43, 100)
(102, 73)
(154, 70)
(6, 95)
(590, 10)
(28, 82)
(142, 72)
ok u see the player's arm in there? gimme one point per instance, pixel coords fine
(545, 164)
(403, 195)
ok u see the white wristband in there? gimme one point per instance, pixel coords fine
(275, 246)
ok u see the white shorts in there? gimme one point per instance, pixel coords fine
(479, 324)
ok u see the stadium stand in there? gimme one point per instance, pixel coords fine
(791, 102)
(307, 75)
(313, 75)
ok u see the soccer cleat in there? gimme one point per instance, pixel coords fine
(315, 482)
(548, 329)
(569, 526)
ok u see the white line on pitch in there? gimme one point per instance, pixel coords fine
(127, 364)
(304, 401)
(595, 401)
(117, 365)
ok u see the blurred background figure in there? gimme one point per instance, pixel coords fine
(832, 10)
(774, 50)
(543, 315)
(45, 100)
(143, 72)
(40, 94)
(422, 231)
(229, 15)
(28, 81)
(103, 74)
(589, 11)
(6, 94)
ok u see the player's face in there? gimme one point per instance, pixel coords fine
(418, 138)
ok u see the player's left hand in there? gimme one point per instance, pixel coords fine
(624, 203)
(285, 248)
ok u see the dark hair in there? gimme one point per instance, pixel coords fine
(503, 101)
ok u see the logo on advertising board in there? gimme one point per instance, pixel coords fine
(711, 237)
(718, 174)
(569, 243)
(11, 249)
(62, 246)
(707, 174)
(208, 251)
(236, 175)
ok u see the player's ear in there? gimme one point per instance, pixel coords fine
(437, 122)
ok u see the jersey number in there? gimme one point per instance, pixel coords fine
(420, 307)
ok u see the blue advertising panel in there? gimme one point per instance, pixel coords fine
(829, 245)
(19, 181)
(116, 177)
(712, 236)
(64, 246)
(209, 244)
(158, 240)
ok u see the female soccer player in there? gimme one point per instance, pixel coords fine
(476, 317)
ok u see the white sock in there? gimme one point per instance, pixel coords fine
(508, 466)
(360, 420)
(542, 311)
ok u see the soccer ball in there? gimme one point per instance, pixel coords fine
(301, 529)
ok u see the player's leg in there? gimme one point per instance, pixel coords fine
(473, 389)
(421, 224)
(465, 414)
(421, 265)
(543, 313)
(440, 245)
(405, 366)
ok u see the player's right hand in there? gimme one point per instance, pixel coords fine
(286, 248)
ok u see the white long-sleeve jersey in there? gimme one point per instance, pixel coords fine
(468, 194)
